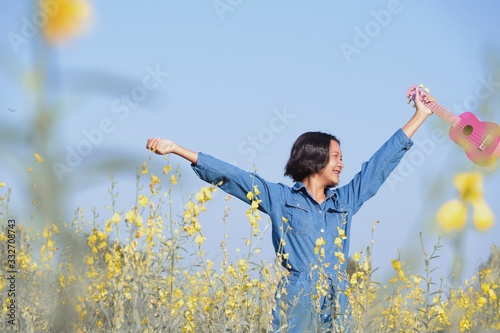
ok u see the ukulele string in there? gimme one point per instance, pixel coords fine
(455, 122)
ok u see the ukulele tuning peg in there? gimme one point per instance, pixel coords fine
(427, 90)
(421, 85)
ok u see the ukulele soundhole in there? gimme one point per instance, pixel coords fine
(467, 130)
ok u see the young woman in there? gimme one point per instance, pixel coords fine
(311, 214)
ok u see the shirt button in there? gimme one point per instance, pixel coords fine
(320, 211)
(322, 230)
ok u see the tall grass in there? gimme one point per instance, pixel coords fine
(145, 270)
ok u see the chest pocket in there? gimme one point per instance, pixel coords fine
(299, 217)
(339, 218)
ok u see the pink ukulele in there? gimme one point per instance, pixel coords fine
(480, 140)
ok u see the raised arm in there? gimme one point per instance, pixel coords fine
(163, 147)
(421, 114)
(229, 178)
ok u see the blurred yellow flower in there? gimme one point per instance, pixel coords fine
(144, 168)
(92, 239)
(46, 232)
(469, 185)
(66, 19)
(39, 158)
(396, 264)
(482, 218)
(452, 216)
(130, 216)
(143, 201)
(2, 184)
(116, 218)
(199, 240)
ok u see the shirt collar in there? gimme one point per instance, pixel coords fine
(299, 186)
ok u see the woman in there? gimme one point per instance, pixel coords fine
(311, 220)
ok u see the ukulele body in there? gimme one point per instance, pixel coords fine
(480, 140)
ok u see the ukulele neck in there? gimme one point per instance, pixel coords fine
(446, 115)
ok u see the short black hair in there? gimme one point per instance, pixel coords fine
(310, 154)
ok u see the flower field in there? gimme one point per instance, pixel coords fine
(145, 270)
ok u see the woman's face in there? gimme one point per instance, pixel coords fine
(331, 172)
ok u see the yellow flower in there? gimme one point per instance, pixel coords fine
(46, 232)
(173, 179)
(340, 256)
(338, 242)
(341, 233)
(144, 168)
(154, 180)
(319, 242)
(199, 240)
(130, 216)
(482, 301)
(465, 324)
(482, 218)
(189, 229)
(92, 239)
(138, 221)
(452, 216)
(39, 158)
(256, 190)
(116, 218)
(469, 185)
(396, 264)
(2, 184)
(250, 195)
(417, 280)
(143, 201)
(166, 169)
(65, 19)
(493, 295)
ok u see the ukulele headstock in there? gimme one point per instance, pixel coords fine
(411, 94)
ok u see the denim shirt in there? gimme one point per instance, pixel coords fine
(307, 220)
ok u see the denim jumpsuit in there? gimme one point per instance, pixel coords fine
(298, 221)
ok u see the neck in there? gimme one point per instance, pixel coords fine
(315, 188)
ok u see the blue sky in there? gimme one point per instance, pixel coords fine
(242, 79)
